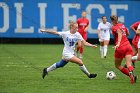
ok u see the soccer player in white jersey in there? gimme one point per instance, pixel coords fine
(104, 36)
(70, 39)
(137, 57)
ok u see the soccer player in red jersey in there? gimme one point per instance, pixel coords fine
(137, 57)
(83, 23)
(135, 40)
(123, 48)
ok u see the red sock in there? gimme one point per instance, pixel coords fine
(78, 48)
(130, 68)
(81, 50)
(133, 61)
(125, 71)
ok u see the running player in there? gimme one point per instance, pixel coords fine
(104, 36)
(70, 39)
(83, 23)
(135, 40)
(123, 48)
(137, 57)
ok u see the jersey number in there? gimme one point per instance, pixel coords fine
(71, 44)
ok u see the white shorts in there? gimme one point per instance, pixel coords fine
(139, 43)
(67, 56)
(103, 39)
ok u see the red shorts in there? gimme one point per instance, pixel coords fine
(135, 41)
(122, 51)
(84, 35)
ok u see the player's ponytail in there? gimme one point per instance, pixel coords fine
(114, 18)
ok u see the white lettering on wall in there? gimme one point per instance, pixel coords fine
(6, 17)
(66, 17)
(42, 7)
(19, 28)
(114, 9)
(89, 9)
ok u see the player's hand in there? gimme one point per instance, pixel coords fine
(115, 47)
(94, 46)
(42, 30)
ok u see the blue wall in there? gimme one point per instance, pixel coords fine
(23, 18)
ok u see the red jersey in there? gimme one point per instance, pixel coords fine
(136, 37)
(82, 24)
(124, 40)
(135, 25)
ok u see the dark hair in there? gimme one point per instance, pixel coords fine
(103, 17)
(114, 18)
(83, 11)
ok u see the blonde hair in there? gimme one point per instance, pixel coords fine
(71, 23)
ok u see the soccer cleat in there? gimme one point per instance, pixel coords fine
(104, 56)
(133, 79)
(92, 75)
(133, 63)
(44, 73)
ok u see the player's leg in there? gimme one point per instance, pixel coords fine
(78, 47)
(130, 68)
(78, 61)
(106, 42)
(56, 65)
(135, 51)
(101, 48)
(81, 51)
(137, 56)
(124, 70)
(84, 35)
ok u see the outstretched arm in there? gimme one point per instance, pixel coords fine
(88, 44)
(49, 31)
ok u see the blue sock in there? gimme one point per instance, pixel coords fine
(61, 63)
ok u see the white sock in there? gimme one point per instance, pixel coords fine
(134, 57)
(105, 50)
(84, 69)
(51, 68)
(102, 51)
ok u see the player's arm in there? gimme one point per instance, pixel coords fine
(119, 38)
(86, 28)
(138, 30)
(127, 32)
(132, 27)
(88, 44)
(49, 31)
(99, 33)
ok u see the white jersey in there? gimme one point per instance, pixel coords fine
(138, 26)
(70, 41)
(104, 30)
(139, 38)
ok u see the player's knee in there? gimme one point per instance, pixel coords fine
(139, 58)
(117, 66)
(80, 63)
(62, 63)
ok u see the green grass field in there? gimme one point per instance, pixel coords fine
(21, 66)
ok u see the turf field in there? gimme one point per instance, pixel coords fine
(21, 67)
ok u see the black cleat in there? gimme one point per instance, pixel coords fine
(133, 64)
(135, 78)
(92, 75)
(104, 56)
(44, 73)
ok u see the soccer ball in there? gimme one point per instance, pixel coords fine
(110, 75)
